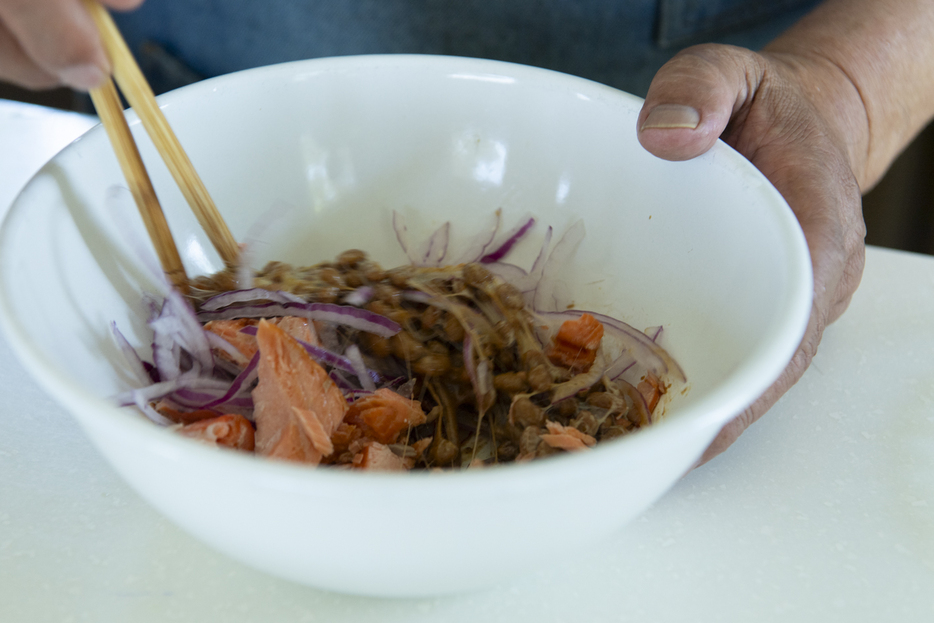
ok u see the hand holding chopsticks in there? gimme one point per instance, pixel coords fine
(140, 96)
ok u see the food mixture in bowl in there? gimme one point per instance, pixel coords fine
(446, 362)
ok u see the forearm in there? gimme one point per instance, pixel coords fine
(874, 73)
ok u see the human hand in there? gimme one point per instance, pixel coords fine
(799, 121)
(50, 43)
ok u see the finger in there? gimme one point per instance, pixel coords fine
(766, 117)
(788, 143)
(789, 376)
(60, 37)
(18, 68)
(692, 98)
(831, 223)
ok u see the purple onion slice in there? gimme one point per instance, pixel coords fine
(326, 357)
(243, 381)
(359, 297)
(402, 236)
(512, 237)
(355, 357)
(436, 248)
(477, 246)
(529, 283)
(638, 400)
(233, 297)
(547, 296)
(346, 315)
(132, 358)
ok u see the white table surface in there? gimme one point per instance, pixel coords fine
(822, 511)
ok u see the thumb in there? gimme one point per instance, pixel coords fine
(692, 98)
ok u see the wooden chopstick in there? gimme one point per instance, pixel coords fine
(138, 93)
(110, 110)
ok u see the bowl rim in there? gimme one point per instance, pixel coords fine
(704, 417)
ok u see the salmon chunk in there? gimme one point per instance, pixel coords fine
(297, 406)
(384, 414)
(230, 330)
(566, 437)
(299, 328)
(229, 431)
(575, 346)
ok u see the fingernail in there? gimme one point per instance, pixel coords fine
(670, 116)
(83, 77)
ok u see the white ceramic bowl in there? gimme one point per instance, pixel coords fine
(706, 248)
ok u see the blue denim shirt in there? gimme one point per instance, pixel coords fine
(618, 42)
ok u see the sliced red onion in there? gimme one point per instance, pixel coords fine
(512, 237)
(132, 358)
(152, 414)
(177, 329)
(417, 296)
(353, 317)
(146, 394)
(242, 382)
(529, 283)
(402, 235)
(436, 247)
(546, 293)
(340, 362)
(626, 361)
(227, 369)
(167, 324)
(329, 358)
(341, 381)
(509, 273)
(638, 400)
(218, 343)
(192, 399)
(359, 319)
(359, 297)
(166, 355)
(477, 247)
(154, 305)
(356, 360)
(620, 365)
(179, 385)
(226, 299)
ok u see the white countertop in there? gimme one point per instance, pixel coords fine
(822, 511)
